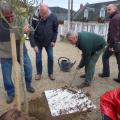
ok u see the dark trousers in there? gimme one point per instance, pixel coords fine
(49, 51)
(105, 59)
(6, 65)
(90, 68)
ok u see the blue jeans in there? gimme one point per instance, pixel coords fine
(49, 51)
(6, 65)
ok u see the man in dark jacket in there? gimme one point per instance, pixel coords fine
(92, 46)
(113, 41)
(6, 55)
(45, 24)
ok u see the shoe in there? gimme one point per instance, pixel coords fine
(116, 80)
(102, 75)
(30, 89)
(10, 99)
(82, 76)
(84, 84)
(51, 76)
(37, 76)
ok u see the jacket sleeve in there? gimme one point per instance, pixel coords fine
(114, 31)
(31, 39)
(34, 22)
(85, 59)
(31, 34)
(55, 29)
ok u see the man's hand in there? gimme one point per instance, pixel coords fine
(52, 44)
(36, 49)
(78, 67)
(111, 50)
(26, 29)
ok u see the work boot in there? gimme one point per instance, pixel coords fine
(82, 76)
(10, 99)
(30, 89)
(37, 76)
(84, 84)
(116, 80)
(51, 76)
(102, 75)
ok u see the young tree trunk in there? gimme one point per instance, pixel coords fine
(15, 71)
(23, 74)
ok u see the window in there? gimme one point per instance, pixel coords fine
(86, 13)
(102, 12)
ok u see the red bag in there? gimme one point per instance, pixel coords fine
(110, 104)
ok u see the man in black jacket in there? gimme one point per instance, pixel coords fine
(113, 41)
(46, 28)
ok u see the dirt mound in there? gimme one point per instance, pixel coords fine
(40, 110)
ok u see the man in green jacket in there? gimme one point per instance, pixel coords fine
(91, 45)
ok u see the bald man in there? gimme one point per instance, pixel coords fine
(45, 24)
(113, 41)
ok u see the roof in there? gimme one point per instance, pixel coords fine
(94, 11)
(58, 10)
(61, 13)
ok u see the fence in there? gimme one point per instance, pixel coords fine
(99, 28)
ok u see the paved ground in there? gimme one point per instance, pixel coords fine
(98, 87)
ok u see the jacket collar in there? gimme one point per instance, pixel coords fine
(111, 16)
